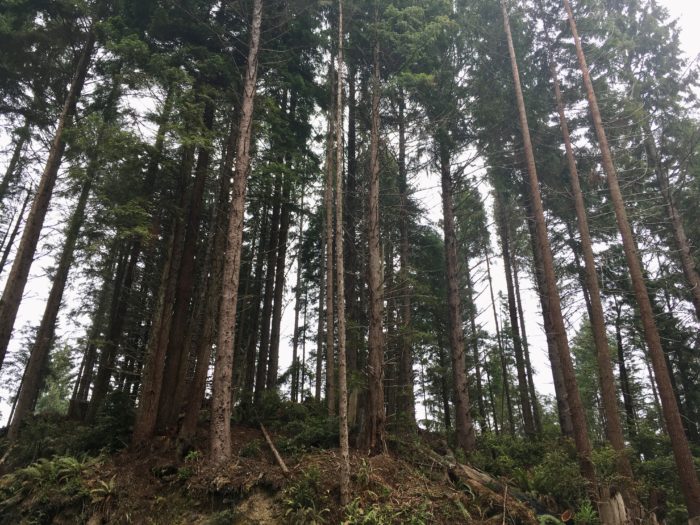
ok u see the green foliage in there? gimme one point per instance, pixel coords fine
(586, 514)
(43, 489)
(386, 514)
(305, 500)
(559, 476)
(252, 449)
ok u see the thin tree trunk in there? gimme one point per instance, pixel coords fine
(319, 328)
(406, 400)
(375, 418)
(17, 279)
(340, 275)
(36, 366)
(266, 315)
(11, 171)
(536, 409)
(578, 417)
(328, 208)
(466, 437)
(625, 386)
(15, 230)
(501, 352)
(297, 308)
(523, 390)
(220, 433)
(679, 442)
(281, 264)
(474, 340)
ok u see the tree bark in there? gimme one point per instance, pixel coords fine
(15, 230)
(375, 418)
(11, 171)
(502, 220)
(474, 341)
(613, 425)
(466, 437)
(297, 308)
(690, 485)
(578, 417)
(220, 433)
(17, 279)
(340, 275)
(328, 208)
(625, 385)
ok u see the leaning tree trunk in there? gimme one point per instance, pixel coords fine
(220, 433)
(466, 437)
(375, 418)
(15, 230)
(679, 442)
(578, 417)
(17, 279)
(11, 172)
(613, 425)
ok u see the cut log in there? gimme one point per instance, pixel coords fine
(278, 458)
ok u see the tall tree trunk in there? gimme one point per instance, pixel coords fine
(466, 437)
(281, 263)
(11, 174)
(15, 230)
(328, 208)
(320, 336)
(563, 412)
(536, 409)
(578, 417)
(297, 308)
(375, 418)
(679, 442)
(614, 432)
(17, 279)
(523, 391)
(268, 298)
(406, 401)
(220, 433)
(197, 387)
(625, 385)
(340, 274)
(501, 353)
(36, 366)
(173, 388)
(474, 341)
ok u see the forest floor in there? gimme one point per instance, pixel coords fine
(417, 481)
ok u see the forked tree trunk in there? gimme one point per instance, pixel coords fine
(17, 279)
(220, 433)
(466, 437)
(690, 485)
(578, 417)
(340, 276)
(375, 418)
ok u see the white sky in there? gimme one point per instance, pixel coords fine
(688, 14)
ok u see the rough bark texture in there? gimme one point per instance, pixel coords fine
(220, 432)
(17, 279)
(474, 343)
(597, 317)
(328, 205)
(679, 443)
(375, 418)
(578, 418)
(466, 437)
(340, 276)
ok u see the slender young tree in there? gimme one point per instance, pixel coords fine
(220, 430)
(679, 442)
